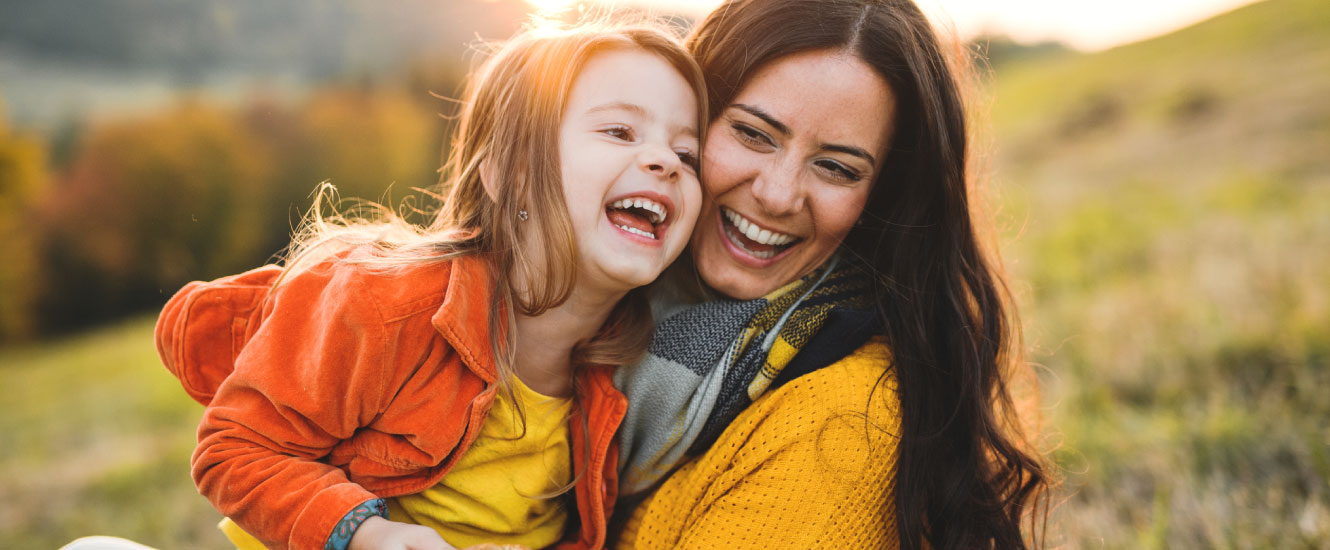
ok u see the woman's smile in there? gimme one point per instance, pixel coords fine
(787, 169)
(749, 239)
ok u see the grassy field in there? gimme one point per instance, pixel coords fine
(1166, 210)
(96, 439)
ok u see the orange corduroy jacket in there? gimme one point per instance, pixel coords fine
(342, 385)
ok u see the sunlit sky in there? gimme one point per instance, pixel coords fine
(1083, 24)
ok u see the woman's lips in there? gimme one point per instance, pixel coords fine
(751, 244)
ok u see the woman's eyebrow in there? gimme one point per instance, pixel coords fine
(785, 130)
(850, 150)
(765, 116)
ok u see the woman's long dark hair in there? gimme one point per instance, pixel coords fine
(965, 477)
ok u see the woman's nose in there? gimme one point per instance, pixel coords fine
(778, 190)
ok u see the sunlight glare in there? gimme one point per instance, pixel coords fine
(549, 7)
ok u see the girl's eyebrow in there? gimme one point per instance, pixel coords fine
(619, 106)
(639, 111)
(785, 130)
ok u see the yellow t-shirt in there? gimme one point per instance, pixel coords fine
(493, 493)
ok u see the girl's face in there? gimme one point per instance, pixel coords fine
(788, 168)
(628, 146)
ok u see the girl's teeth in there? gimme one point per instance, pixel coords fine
(656, 209)
(636, 231)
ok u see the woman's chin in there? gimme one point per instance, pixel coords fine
(727, 277)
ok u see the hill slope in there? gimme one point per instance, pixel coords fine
(1248, 90)
(1168, 209)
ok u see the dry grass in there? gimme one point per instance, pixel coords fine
(1168, 206)
(96, 440)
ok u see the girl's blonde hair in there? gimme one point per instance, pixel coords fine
(509, 125)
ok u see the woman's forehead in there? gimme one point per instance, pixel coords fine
(830, 95)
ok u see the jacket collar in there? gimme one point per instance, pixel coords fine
(464, 317)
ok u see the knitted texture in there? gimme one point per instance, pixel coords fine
(708, 361)
(809, 465)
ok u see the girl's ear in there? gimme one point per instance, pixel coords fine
(489, 178)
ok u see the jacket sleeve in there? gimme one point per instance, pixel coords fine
(204, 325)
(316, 370)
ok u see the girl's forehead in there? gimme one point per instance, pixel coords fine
(635, 82)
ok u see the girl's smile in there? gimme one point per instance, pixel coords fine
(628, 146)
(644, 215)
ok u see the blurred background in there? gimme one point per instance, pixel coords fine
(1159, 173)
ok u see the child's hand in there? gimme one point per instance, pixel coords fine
(377, 533)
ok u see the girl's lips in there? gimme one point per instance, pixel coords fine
(740, 255)
(654, 196)
(657, 233)
(638, 238)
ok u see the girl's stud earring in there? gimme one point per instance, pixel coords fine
(522, 215)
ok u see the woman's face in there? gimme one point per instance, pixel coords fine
(787, 169)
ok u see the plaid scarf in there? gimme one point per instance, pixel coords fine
(708, 361)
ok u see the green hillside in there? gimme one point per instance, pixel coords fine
(1167, 211)
(96, 439)
(1243, 92)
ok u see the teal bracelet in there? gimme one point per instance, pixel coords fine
(341, 535)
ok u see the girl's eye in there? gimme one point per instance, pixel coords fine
(751, 135)
(838, 171)
(687, 157)
(619, 132)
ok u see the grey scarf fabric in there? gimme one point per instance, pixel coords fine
(709, 360)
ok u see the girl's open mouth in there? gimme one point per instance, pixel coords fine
(757, 242)
(640, 215)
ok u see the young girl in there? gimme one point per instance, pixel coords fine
(461, 370)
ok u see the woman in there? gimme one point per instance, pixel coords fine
(840, 379)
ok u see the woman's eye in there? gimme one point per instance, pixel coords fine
(751, 135)
(619, 132)
(839, 171)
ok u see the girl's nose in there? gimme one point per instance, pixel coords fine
(661, 162)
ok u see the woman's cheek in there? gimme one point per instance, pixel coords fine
(721, 160)
(840, 215)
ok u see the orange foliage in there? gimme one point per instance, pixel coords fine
(22, 179)
(197, 191)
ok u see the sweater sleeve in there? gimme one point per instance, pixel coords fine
(316, 370)
(808, 466)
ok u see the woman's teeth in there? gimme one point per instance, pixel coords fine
(755, 233)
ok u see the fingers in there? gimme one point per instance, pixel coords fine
(419, 537)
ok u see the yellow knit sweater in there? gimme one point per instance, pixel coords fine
(808, 465)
